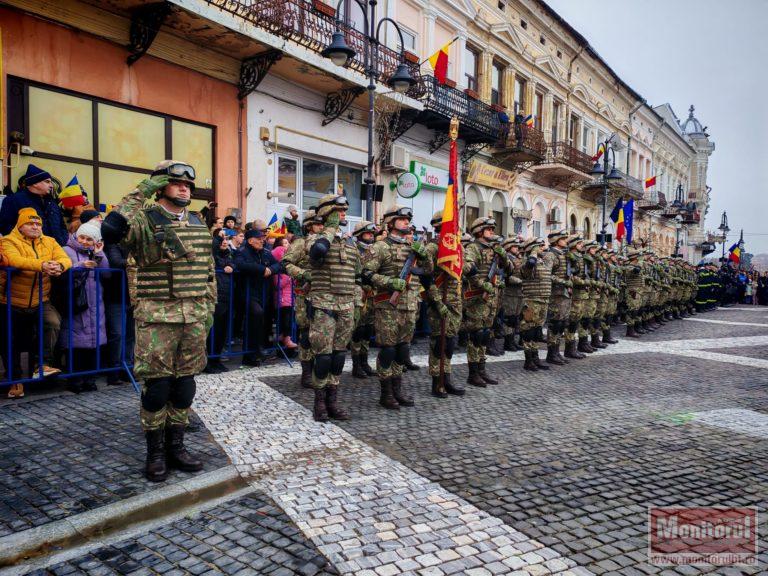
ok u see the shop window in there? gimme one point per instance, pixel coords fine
(350, 183)
(109, 146)
(317, 181)
(499, 217)
(287, 181)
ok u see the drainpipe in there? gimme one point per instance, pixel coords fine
(240, 183)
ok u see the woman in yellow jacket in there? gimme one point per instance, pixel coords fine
(37, 259)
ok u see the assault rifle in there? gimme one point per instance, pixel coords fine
(405, 273)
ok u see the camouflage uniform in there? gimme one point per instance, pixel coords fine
(480, 293)
(590, 305)
(537, 290)
(613, 284)
(512, 297)
(361, 337)
(601, 299)
(560, 300)
(635, 286)
(335, 267)
(394, 324)
(579, 296)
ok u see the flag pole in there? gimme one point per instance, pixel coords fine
(441, 47)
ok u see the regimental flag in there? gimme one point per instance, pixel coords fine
(734, 253)
(650, 181)
(73, 195)
(450, 254)
(618, 218)
(439, 62)
(629, 219)
(529, 120)
(600, 152)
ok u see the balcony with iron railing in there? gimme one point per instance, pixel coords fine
(520, 145)
(562, 166)
(628, 186)
(652, 200)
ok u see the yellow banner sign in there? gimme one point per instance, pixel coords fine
(491, 176)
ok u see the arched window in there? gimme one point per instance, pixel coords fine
(520, 222)
(587, 229)
(554, 220)
(472, 208)
(539, 217)
(497, 209)
(574, 224)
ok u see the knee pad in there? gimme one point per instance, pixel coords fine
(402, 352)
(509, 321)
(476, 337)
(322, 366)
(304, 338)
(450, 345)
(337, 362)
(486, 336)
(573, 326)
(539, 333)
(585, 322)
(183, 392)
(156, 394)
(386, 356)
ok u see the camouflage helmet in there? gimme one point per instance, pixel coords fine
(362, 227)
(310, 217)
(511, 241)
(437, 219)
(394, 212)
(531, 243)
(480, 224)
(574, 240)
(331, 203)
(176, 170)
(555, 236)
(466, 238)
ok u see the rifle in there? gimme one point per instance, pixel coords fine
(405, 273)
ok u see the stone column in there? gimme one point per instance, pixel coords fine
(429, 35)
(484, 82)
(546, 124)
(530, 96)
(508, 97)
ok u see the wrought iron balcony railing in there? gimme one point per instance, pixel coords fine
(564, 153)
(524, 138)
(629, 185)
(301, 22)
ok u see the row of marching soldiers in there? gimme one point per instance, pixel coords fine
(350, 290)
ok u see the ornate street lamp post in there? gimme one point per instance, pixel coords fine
(724, 231)
(602, 170)
(340, 54)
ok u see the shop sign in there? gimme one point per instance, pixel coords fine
(524, 214)
(408, 185)
(430, 176)
(491, 176)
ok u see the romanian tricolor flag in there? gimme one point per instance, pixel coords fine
(650, 181)
(73, 195)
(439, 62)
(450, 254)
(529, 120)
(734, 253)
(618, 219)
(600, 152)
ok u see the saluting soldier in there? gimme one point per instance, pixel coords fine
(175, 297)
(560, 301)
(537, 289)
(613, 284)
(395, 301)
(635, 286)
(480, 296)
(335, 268)
(363, 234)
(296, 264)
(579, 297)
(443, 297)
(512, 298)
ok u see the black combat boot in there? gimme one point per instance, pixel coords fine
(631, 333)
(571, 352)
(397, 392)
(365, 366)
(437, 390)
(357, 368)
(552, 355)
(584, 345)
(536, 360)
(306, 373)
(485, 376)
(529, 363)
(463, 338)
(647, 326)
(494, 348)
(607, 338)
(450, 388)
(176, 455)
(408, 364)
(320, 412)
(331, 397)
(387, 400)
(155, 469)
(474, 378)
(509, 343)
(595, 343)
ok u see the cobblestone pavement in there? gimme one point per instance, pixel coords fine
(248, 536)
(64, 455)
(572, 458)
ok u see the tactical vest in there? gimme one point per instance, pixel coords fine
(635, 277)
(537, 282)
(486, 259)
(561, 268)
(177, 259)
(336, 275)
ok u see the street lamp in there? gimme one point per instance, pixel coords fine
(678, 225)
(724, 232)
(340, 53)
(602, 170)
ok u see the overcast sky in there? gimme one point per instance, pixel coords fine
(709, 53)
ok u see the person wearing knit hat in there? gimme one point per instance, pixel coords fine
(37, 186)
(91, 230)
(88, 215)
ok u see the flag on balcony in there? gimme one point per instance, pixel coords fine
(73, 195)
(600, 152)
(617, 216)
(450, 255)
(439, 62)
(650, 181)
(529, 120)
(734, 253)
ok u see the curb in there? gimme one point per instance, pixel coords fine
(101, 522)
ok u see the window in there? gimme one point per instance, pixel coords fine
(539, 216)
(587, 229)
(497, 82)
(520, 104)
(519, 223)
(538, 112)
(574, 130)
(574, 225)
(409, 38)
(471, 213)
(287, 180)
(471, 59)
(560, 54)
(109, 146)
(555, 121)
(585, 139)
(542, 41)
(523, 24)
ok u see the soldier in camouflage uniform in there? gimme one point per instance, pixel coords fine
(590, 304)
(174, 291)
(579, 296)
(443, 298)
(560, 300)
(635, 286)
(296, 264)
(361, 338)
(537, 290)
(613, 284)
(394, 324)
(600, 295)
(512, 298)
(480, 295)
(335, 267)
